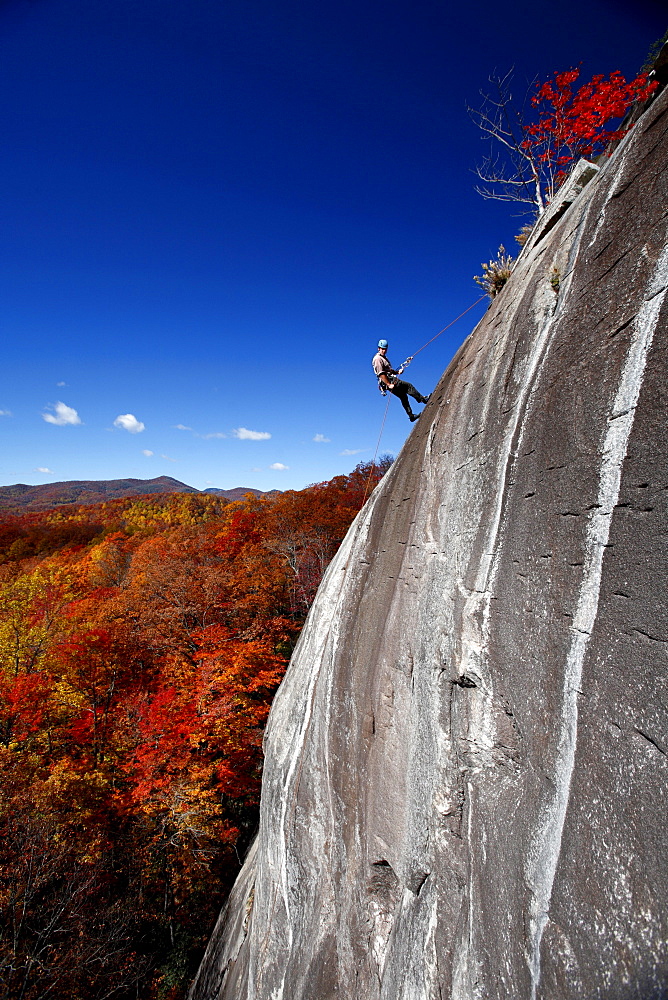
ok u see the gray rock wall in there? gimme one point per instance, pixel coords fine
(466, 766)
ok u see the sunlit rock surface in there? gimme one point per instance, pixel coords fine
(466, 766)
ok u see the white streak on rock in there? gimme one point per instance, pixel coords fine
(547, 845)
(476, 615)
(288, 728)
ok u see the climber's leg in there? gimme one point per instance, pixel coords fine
(412, 391)
(399, 390)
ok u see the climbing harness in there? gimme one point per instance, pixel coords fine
(384, 390)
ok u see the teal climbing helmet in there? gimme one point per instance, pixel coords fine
(382, 343)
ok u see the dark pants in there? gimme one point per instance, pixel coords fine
(403, 390)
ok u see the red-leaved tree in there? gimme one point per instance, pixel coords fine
(529, 159)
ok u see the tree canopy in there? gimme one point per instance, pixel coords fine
(141, 643)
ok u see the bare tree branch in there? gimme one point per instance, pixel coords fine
(519, 177)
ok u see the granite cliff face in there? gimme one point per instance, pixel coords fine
(467, 764)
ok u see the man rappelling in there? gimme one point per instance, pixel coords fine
(389, 381)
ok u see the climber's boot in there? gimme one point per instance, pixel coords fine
(425, 399)
(413, 416)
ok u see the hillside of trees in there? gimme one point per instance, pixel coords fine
(22, 499)
(141, 643)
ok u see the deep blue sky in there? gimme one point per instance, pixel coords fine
(212, 209)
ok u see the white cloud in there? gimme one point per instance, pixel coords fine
(169, 459)
(182, 427)
(47, 472)
(321, 439)
(351, 451)
(245, 435)
(63, 415)
(149, 454)
(5, 413)
(215, 434)
(61, 384)
(129, 422)
(279, 466)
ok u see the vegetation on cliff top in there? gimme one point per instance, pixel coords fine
(532, 148)
(538, 146)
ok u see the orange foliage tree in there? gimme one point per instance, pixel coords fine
(141, 643)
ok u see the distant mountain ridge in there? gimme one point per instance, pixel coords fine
(23, 498)
(239, 492)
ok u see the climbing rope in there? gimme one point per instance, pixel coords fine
(401, 368)
(452, 323)
(373, 460)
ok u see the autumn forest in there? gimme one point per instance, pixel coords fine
(141, 643)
